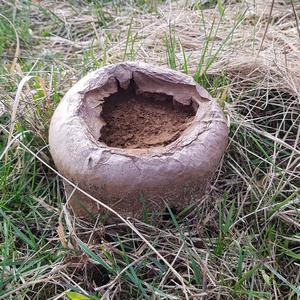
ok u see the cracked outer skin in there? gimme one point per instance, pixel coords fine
(177, 173)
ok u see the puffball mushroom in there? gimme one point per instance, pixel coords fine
(135, 135)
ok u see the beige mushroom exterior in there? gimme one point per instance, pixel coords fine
(177, 173)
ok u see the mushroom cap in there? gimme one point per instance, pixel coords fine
(177, 173)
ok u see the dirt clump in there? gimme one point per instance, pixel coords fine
(143, 121)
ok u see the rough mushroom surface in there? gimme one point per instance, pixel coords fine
(133, 129)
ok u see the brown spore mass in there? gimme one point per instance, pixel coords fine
(144, 120)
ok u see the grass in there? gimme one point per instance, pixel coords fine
(242, 239)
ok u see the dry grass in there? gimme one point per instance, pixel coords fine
(242, 239)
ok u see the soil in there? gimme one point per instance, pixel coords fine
(143, 121)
